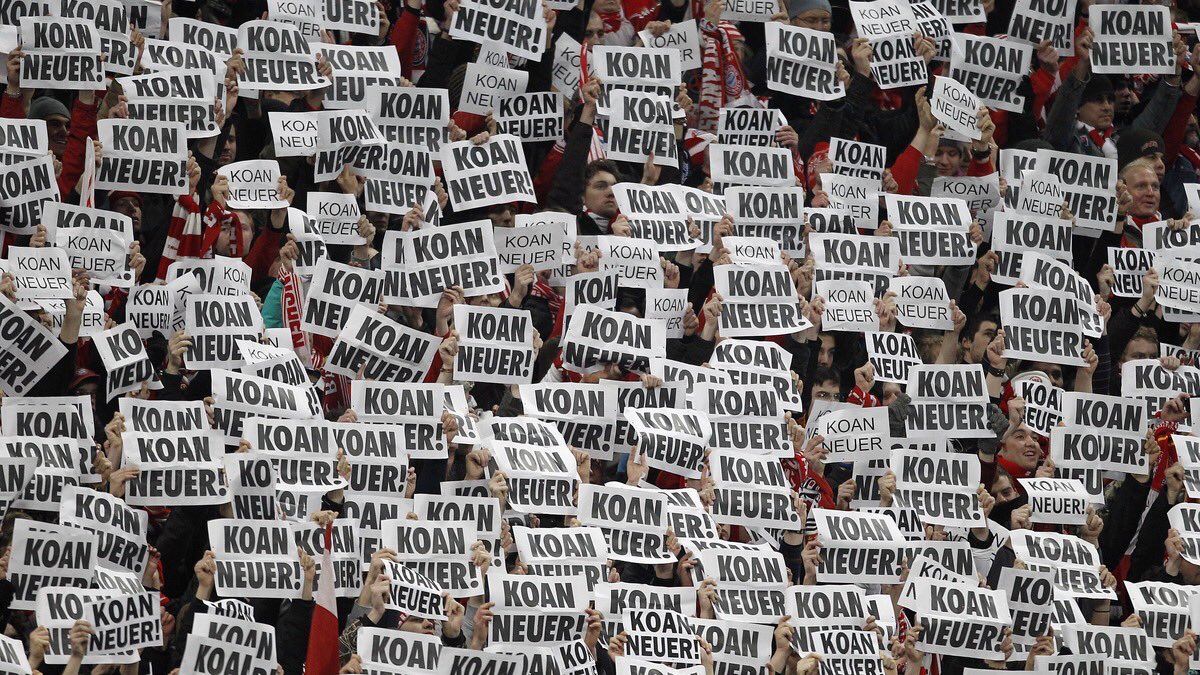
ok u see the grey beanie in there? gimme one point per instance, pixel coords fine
(798, 7)
(44, 107)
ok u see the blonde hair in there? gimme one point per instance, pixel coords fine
(1140, 163)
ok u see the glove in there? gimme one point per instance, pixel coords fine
(898, 411)
(998, 423)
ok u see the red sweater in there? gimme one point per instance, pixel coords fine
(83, 127)
(403, 36)
(12, 108)
(908, 165)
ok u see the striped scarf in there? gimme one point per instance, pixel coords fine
(695, 144)
(291, 300)
(335, 389)
(722, 81)
(598, 149)
(192, 235)
(543, 290)
(185, 235)
(335, 393)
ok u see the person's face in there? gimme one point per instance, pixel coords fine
(594, 33)
(90, 389)
(501, 217)
(974, 350)
(415, 624)
(598, 195)
(829, 390)
(1160, 167)
(1053, 371)
(1021, 448)
(1143, 186)
(379, 219)
(825, 355)
(1098, 113)
(929, 346)
(488, 300)
(948, 160)
(1191, 137)
(58, 129)
(1124, 101)
(130, 207)
(1139, 348)
(814, 19)
(230, 150)
(608, 371)
(227, 239)
(1003, 490)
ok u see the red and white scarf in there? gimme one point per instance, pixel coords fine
(695, 144)
(335, 389)
(192, 235)
(185, 235)
(722, 81)
(291, 300)
(543, 290)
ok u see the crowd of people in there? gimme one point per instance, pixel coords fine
(1124, 525)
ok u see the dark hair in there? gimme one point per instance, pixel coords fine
(1147, 333)
(1001, 472)
(823, 374)
(599, 165)
(974, 322)
(630, 303)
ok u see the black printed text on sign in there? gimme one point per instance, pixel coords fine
(143, 156)
(277, 56)
(493, 172)
(802, 62)
(1132, 38)
(516, 26)
(60, 54)
(495, 345)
